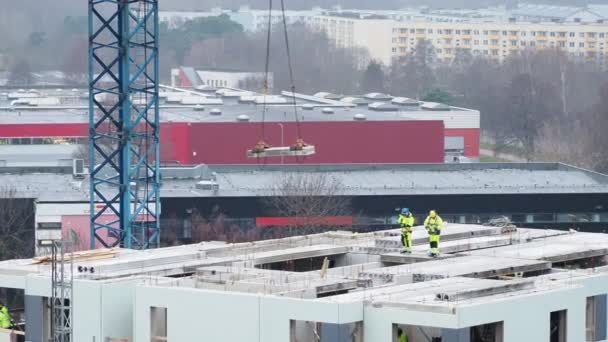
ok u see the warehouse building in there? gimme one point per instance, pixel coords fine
(218, 126)
(332, 287)
(235, 203)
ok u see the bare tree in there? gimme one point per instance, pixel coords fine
(309, 199)
(21, 73)
(16, 225)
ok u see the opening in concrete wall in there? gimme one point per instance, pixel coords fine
(416, 333)
(583, 263)
(12, 314)
(491, 332)
(596, 318)
(307, 331)
(158, 324)
(300, 265)
(558, 326)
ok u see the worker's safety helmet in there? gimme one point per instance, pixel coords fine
(433, 213)
(405, 211)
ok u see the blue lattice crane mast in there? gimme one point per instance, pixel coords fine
(124, 123)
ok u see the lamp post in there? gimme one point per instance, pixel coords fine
(282, 140)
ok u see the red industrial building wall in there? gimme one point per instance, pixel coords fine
(335, 142)
(44, 130)
(471, 139)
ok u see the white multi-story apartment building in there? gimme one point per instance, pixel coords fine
(496, 40)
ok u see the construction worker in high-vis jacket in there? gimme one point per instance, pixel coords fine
(406, 222)
(433, 225)
(6, 321)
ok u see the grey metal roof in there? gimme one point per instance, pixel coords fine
(55, 185)
(424, 179)
(546, 11)
(74, 109)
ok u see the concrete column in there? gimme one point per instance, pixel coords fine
(601, 317)
(34, 318)
(576, 322)
(519, 328)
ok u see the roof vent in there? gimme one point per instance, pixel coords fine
(242, 118)
(382, 107)
(308, 106)
(78, 169)
(199, 108)
(215, 111)
(207, 185)
(360, 117)
(327, 110)
(378, 96)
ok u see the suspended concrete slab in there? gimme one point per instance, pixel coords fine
(282, 152)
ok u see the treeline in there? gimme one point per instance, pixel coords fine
(356, 4)
(541, 104)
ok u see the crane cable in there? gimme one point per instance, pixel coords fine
(299, 144)
(262, 144)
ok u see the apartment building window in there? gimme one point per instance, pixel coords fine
(552, 34)
(485, 52)
(402, 40)
(403, 31)
(592, 45)
(581, 35)
(466, 41)
(394, 50)
(582, 45)
(420, 31)
(430, 31)
(402, 50)
(457, 31)
(504, 33)
(591, 34)
(513, 33)
(602, 35)
(542, 34)
(572, 34)
(562, 34)
(514, 43)
(572, 44)
(494, 52)
(523, 34)
(495, 32)
(439, 51)
(476, 42)
(467, 32)
(532, 43)
(562, 44)
(412, 30)
(494, 42)
(448, 51)
(485, 32)
(448, 41)
(476, 32)
(448, 31)
(485, 42)
(522, 43)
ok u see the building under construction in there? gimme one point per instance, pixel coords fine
(491, 283)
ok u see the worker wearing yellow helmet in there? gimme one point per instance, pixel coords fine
(406, 222)
(433, 225)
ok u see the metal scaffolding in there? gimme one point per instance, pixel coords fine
(61, 292)
(124, 123)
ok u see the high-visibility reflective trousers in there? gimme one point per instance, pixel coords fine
(406, 240)
(5, 318)
(434, 242)
(403, 337)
